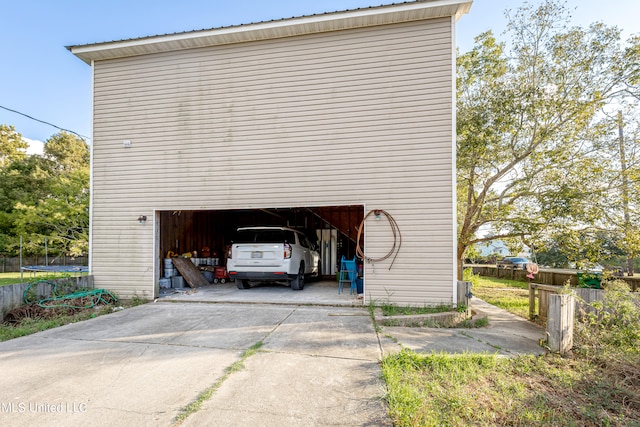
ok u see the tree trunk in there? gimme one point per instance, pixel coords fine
(625, 191)
(461, 250)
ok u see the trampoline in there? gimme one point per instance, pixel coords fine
(33, 269)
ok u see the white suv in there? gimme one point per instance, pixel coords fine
(275, 254)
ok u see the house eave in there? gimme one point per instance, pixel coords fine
(336, 21)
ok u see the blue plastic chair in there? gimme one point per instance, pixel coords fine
(348, 274)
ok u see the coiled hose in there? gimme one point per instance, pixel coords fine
(96, 296)
(397, 238)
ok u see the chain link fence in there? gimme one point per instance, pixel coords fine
(12, 264)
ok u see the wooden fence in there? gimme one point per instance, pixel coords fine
(539, 299)
(545, 277)
(560, 322)
(12, 296)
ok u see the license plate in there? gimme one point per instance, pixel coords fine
(256, 254)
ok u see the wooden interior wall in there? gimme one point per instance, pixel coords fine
(188, 231)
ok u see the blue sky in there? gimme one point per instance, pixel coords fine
(41, 78)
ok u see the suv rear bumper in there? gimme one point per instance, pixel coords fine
(261, 276)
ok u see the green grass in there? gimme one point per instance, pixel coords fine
(30, 326)
(510, 295)
(485, 390)
(597, 385)
(14, 278)
(237, 366)
(390, 309)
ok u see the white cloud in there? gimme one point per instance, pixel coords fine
(35, 146)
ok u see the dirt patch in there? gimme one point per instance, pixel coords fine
(66, 308)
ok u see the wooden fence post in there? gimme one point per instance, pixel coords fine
(464, 293)
(560, 322)
(532, 301)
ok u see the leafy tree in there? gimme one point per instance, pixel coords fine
(12, 146)
(22, 180)
(553, 257)
(473, 254)
(528, 127)
(15, 179)
(622, 211)
(62, 217)
(69, 152)
(49, 199)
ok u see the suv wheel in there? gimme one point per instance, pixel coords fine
(297, 284)
(242, 284)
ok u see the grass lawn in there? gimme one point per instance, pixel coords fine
(484, 390)
(510, 295)
(598, 385)
(13, 278)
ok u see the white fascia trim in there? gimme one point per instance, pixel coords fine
(91, 193)
(276, 29)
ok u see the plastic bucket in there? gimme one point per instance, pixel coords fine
(168, 263)
(164, 283)
(177, 282)
(169, 272)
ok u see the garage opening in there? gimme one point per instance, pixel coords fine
(207, 234)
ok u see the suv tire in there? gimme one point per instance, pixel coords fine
(297, 284)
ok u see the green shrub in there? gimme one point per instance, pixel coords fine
(468, 276)
(611, 324)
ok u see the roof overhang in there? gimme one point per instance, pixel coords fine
(336, 21)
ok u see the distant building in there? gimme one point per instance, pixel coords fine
(493, 247)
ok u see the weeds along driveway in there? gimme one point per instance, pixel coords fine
(150, 364)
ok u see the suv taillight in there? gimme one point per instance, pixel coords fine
(287, 250)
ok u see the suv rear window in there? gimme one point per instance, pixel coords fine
(264, 236)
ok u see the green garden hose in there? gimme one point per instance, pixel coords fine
(96, 296)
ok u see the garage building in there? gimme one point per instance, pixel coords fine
(313, 122)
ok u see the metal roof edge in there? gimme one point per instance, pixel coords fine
(288, 27)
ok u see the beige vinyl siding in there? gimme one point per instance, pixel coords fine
(359, 116)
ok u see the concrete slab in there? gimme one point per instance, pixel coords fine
(278, 389)
(314, 293)
(506, 335)
(228, 326)
(327, 331)
(142, 365)
(90, 383)
(318, 364)
(319, 367)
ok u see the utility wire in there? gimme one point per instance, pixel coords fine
(46, 123)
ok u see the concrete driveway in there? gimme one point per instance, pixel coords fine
(141, 366)
(316, 366)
